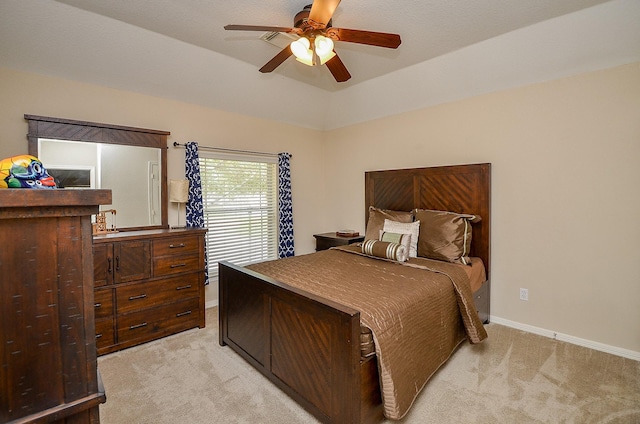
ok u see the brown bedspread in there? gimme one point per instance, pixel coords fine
(418, 317)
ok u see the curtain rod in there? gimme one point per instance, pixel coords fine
(222, 149)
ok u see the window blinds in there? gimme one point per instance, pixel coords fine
(240, 208)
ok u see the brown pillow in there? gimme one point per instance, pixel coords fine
(377, 217)
(445, 236)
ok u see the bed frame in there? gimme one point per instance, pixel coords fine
(309, 346)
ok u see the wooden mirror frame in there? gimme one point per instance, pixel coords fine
(92, 132)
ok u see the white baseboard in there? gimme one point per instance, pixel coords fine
(625, 353)
(211, 304)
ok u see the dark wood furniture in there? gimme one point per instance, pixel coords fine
(93, 132)
(327, 240)
(47, 343)
(461, 189)
(257, 312)
(149, 284)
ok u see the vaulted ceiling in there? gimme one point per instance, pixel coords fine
(179, 49)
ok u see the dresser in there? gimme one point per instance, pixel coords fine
(47, 344)
(148, 284)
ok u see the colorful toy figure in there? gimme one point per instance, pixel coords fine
(24, 171)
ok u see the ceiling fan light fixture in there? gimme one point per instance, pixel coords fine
(315, 47)
(324, 48)
(301, 50)
(324, 45)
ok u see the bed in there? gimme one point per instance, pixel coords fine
(313, 346)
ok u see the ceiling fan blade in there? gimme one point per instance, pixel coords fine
(322, 11)
(277, 60)
(338, 70)
(261, 28)
(380, 39)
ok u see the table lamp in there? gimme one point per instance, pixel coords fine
(179, 193)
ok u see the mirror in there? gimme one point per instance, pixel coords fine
(129, 161)
(131, 172)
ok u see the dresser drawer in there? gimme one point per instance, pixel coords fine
(105, 335)
(170, 265)
(176, 246)
(153, 293)
(103, 303)
(158, 321)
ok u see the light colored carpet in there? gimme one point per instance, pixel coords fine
(513, 377)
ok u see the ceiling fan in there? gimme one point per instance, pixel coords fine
(315, 46)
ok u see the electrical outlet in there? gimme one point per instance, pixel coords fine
(524, 294)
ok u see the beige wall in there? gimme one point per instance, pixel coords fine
(565, 173)
(565, 193)
(24, 93)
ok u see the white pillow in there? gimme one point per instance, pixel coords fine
(412, 228)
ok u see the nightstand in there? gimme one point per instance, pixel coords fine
(327, 240)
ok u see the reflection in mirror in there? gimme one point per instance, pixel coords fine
(133, 173)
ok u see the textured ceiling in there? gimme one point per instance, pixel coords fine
(428, 28)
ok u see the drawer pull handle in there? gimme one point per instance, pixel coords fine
(98, 335)
(178, 265)
(188, 286)
(109, 268)
(97, 305)
(174, 246)
(181, 314)
(133, 327)
(140, 296)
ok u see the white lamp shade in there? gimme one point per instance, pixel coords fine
(324, 45)
(178, 191)
(302, 52)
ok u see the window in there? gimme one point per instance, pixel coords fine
(240, 198)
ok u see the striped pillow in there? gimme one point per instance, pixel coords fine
(383, 249)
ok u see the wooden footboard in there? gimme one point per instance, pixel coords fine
(306, 345)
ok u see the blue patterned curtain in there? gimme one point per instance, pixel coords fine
(285, 207)
(195, 208)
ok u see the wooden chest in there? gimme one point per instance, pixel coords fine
(48, 369)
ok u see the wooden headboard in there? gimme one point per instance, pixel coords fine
(458, 188)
